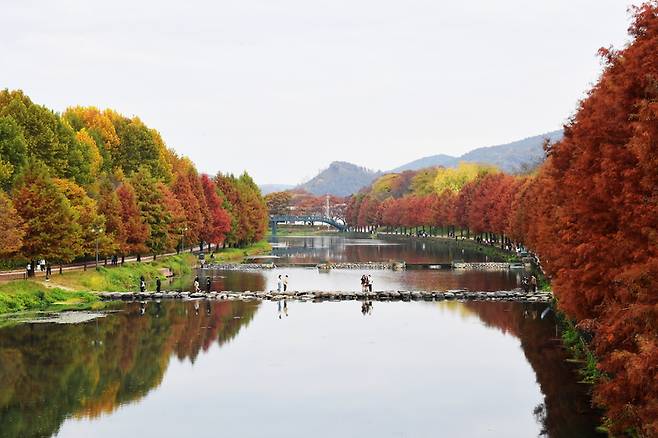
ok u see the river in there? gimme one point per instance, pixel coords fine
(252, 369)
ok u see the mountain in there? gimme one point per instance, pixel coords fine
(510, 157)
(340, 179)
(432, 161)
(266, 189)
(513, 157)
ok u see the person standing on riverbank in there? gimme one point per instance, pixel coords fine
(533, 283)
(279, 284)
(158, 285)
(369, 283)
(285, 283)
(196, 285)
(208, 284)
(142, 284)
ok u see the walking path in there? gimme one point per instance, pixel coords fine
(20, 274)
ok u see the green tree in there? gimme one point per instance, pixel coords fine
(153, 209)
(13, 151)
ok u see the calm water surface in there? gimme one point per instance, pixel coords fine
(250, 369)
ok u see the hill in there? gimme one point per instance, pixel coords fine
(340, 179)
(266, 189)
(510, 157)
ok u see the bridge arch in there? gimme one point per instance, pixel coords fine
(277, 219)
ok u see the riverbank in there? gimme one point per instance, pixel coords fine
(76, 289)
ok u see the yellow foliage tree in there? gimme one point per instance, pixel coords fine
(453, 179)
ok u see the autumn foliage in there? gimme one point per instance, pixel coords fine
(88, 177)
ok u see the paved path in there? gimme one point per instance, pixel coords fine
(18, 274)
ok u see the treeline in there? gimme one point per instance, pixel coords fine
(72, 181)
(590, 212)
(301, 202)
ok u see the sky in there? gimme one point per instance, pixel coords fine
(281, 88)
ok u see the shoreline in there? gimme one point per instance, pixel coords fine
(79, 290)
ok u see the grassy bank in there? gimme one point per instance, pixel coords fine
(236, 254)
(75, 289)
(20, 295)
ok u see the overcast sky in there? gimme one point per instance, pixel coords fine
(283, 87)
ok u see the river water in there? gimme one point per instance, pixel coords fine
(252, 369)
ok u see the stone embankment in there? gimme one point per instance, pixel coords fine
(461, 295)
(487, 266)
(363, 265)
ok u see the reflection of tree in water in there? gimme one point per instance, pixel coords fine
(566, 410)
(339, 249)
(471, 279)
(50, 372)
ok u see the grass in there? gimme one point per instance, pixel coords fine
(580, 351)
(231, 254)
(20, 295)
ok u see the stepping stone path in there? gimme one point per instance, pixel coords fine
(317, 296)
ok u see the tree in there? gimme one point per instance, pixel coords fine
(220, 221)
(52, 231)
(135, 231)
(596, 222)
(153, 210)
(12, 229)
(13, 151)
(278, 202)
(92, 224)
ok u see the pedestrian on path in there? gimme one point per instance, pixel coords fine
(158, 285)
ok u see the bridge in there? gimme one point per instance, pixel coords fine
(286, 218)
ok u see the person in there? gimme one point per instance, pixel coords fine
(158, 285)
(28, 268)
(279, 284)
(285, 283)
(196, 285)
(212, 256)
(142, 284)
(364, 281)
(369, 283)
(208, 283)
(42, 265)
(524, 284)
(533, 283)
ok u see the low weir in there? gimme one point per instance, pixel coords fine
(518, 295)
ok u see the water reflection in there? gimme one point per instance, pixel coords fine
(344, 249)
(50, 372)
(350, 280)
(319, 364)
